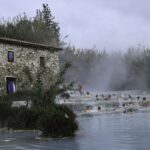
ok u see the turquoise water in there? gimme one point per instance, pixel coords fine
(105, 132)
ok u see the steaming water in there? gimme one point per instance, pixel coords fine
(120, 131)
(88, 104)
(105, 132)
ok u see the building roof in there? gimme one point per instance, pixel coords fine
(28, 44)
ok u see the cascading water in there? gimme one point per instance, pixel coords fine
(108, 102)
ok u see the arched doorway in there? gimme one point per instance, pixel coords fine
(11, 85)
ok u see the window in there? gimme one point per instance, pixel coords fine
(42, 62)
(10, 56)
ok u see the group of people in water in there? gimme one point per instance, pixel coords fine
(127, 101)
(123, 101)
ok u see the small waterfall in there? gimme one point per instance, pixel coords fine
(112, 102)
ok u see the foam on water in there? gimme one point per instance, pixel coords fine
(108, 102)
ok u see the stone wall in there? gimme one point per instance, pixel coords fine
(27, 58)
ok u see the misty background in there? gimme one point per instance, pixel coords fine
(102, 71)
(107, 24)
(110, 38)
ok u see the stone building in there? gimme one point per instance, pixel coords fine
(21, 62)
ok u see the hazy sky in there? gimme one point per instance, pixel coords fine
(109, 24)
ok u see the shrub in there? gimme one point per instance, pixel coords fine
(57, 121)
(5, 111)
(23, 118)
(54, 121)
(20, 95)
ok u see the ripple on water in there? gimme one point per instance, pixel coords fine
(105, 132)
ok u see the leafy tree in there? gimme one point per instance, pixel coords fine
(40, 29)
(98, 70)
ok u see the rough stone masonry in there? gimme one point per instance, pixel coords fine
(17, 58)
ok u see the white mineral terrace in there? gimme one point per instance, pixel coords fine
(108, 102)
